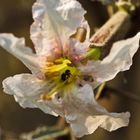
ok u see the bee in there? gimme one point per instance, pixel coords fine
(65, 76)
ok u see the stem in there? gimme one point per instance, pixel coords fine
(124, 93)
(113, 30)
(61, 123)
(99, 91)
(72, 136)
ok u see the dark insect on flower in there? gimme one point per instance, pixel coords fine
(65, 75)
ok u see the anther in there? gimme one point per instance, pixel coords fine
(65, 75)
(44, 97)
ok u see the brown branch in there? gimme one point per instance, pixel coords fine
(61, 123)
(72, 136)
(122, 92)
(113, 30)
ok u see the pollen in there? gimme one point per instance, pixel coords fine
(65, 76)
(62, 73)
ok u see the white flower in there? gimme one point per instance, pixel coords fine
(60, 84)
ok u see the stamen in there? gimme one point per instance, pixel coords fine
(62, 73)
(45, 97)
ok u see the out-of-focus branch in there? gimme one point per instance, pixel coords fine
(45, 133)
(123, 92)
(113, 30)
(60, 123)
(72, 136)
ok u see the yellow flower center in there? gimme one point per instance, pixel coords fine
(62, 72)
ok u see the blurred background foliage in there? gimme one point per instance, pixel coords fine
(16, 17)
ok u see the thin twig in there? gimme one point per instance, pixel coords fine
(124, 93)
(72, 136)
(61, 123)
(99, 91)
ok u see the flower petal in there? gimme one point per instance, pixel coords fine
(54, 22)
(78, 106)
(76, 50)
(16, 46)
(119, 59)
(27, 90)
(85, 115)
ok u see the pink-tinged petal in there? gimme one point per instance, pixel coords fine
(27, 90)
(85, 115)
(54, 22)
(119, 59)
(16, 46)
(76, 50)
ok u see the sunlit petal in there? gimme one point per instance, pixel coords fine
(76, 49)
(54, 22)
(16, 46)
(119, 59)
(27, 90)
(85, 115)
